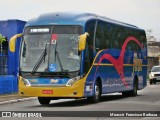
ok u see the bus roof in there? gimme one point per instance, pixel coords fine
(67, 18)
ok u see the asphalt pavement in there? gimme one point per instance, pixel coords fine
(148, 99)
(12, 98)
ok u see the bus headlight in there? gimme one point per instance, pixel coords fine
(72, 81)
(26, 82)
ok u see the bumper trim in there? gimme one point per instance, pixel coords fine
(48, 85)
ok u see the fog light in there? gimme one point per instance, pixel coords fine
(75, 93)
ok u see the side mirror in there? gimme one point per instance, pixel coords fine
(13, 41)
(82, 41)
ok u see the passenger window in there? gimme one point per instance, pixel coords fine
(100, 42)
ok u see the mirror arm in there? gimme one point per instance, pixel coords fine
(13, 41)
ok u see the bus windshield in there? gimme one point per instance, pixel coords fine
(50, 49)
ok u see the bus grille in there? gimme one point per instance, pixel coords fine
(156, 75)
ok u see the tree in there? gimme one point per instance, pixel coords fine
(148, 32)
(2, 39)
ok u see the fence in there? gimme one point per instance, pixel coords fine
(3, 63)
(8, 82)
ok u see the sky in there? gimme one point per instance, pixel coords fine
(142, 13)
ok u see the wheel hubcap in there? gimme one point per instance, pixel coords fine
(97, 91)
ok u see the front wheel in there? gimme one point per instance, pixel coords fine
(44, 100)
(95, 98)
(150, 82)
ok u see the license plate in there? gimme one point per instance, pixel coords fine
(47, 91)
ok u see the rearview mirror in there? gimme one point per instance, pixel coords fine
(82, 41)
(13, 41)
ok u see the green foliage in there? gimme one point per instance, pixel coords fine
(2, 39)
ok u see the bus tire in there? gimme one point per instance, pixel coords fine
(135, 88)
(133, 92)
(44, 100)
(95, 98)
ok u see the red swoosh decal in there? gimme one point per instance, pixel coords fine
(118, 63)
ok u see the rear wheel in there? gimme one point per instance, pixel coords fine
(154, 82)
(134, 91)
(135, 88)
(97, 94)
(44, 100)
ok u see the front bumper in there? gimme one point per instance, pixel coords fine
(74, 91)
(155, 79)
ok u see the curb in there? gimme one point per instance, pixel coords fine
(18, 100)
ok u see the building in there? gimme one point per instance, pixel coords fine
(9, 61)
(153, 52)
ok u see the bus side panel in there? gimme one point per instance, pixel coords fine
(106, 71)
(106, 74)
(111, 78)
(116, 75)
(129, 73)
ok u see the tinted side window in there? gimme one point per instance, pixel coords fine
(140, 36)
(118, 38)
(90, 28)
(143, 39)
(109, 36)
(99, 38)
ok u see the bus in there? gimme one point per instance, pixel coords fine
(80, 55)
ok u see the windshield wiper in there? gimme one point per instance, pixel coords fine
(35, 68)
(59, 60)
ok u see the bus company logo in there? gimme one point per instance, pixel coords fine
(33, 80)
(53, 81)
(118, 63)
